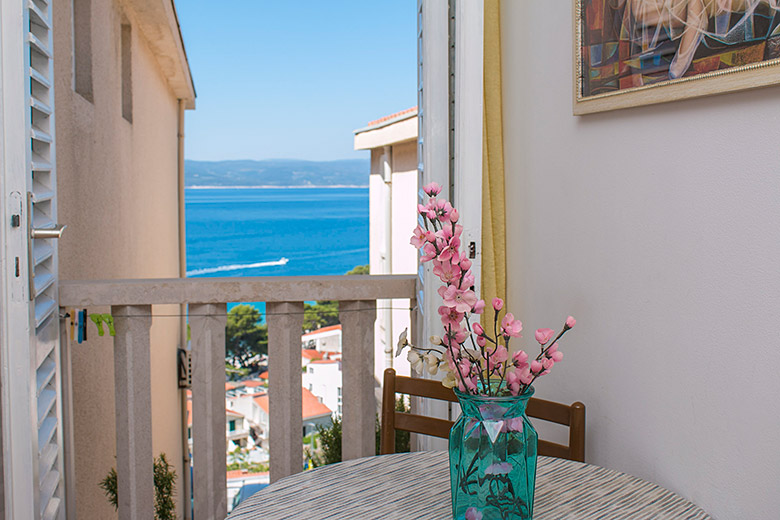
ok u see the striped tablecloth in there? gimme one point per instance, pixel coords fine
(417, 486)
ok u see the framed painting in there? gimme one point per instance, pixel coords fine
(639, 52)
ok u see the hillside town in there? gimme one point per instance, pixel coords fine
(247, 410)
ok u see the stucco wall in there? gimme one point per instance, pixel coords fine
(657, 229)
(404, 256)
(117, 189)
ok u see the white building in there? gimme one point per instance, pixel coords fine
(392, 217)
(323, 379)
(326, 339)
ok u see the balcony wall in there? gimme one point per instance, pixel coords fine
(131, 303)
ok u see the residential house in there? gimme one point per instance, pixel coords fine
(325, 339)
(313, 413)
(323, 379)
(393, 184)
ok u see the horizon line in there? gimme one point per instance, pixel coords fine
(281, 159)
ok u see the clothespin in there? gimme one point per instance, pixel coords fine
(81, 329)
(110, 323)
(98, 320)
(72, 313)
(84, 323)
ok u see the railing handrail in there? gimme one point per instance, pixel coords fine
(155, 291)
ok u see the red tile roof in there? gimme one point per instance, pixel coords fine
(323, 361)
(253, 383)
(312, 407)
(323, 329)
(243, 473)
(391, 116)
(311, 354)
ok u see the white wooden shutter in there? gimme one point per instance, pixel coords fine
(42, 258)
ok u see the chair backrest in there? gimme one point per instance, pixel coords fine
(572, 416)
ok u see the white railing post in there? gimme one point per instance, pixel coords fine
(209, 443)
(358, 436)
(133, 392)
(285, 324)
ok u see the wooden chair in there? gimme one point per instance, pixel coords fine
(572, 416)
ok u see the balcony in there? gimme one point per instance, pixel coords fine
(131, 303)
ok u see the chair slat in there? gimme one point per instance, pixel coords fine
(424, 388)
(551, 449)
(548, 411)
(421, 424)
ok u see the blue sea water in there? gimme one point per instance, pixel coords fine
(276, 231)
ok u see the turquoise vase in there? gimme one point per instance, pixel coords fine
(493, 458)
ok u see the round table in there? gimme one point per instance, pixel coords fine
(417, 486)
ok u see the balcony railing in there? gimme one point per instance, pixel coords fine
(131, 304)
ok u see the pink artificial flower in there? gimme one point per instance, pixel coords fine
(513, 380)
(525, 376)
(570, 322)
(447, 272)
(455, 335)
(440, 209)
(557, 356)
(450, 317)
(520, 359)
(429, 253)
(421, 237)
(465, 263)
(498, 304)
(510, 326)
(454, 215)
(481, 341)
(497, 357)
(467, 281)
(426, 211)
(462, 300)
(479, 307)
(536, 367)
(473, 513)
(432, 189)
(544, 335)
(449, 249)
(553, 352)
(547, 363)
(477, 328)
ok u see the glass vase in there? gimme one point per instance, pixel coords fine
(492, 458)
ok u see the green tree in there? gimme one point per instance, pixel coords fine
(164, 489)
(326, 313)
(245, 337)
(330, 440)
(321, 314)
(360, 269)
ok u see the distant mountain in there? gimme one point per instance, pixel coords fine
(277, 172)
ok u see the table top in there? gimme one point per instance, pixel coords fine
(417, 486)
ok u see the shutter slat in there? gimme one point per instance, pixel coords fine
(44, 374)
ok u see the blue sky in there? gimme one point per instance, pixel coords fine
(293, 79)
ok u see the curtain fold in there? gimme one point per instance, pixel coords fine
(493, 201)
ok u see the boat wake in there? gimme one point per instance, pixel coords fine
(237, 267)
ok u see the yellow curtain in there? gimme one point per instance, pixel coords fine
(493, 203)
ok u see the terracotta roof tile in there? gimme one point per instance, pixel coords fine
(391, 116)
(311, 406)
(323, 329)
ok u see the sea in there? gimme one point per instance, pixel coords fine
(275, 232)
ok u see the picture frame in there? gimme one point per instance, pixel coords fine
(630, 53)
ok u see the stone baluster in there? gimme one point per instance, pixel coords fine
(207, 326)
(357, 319)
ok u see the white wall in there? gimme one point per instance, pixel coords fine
(657, 228)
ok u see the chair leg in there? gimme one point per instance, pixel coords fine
(387, 440)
